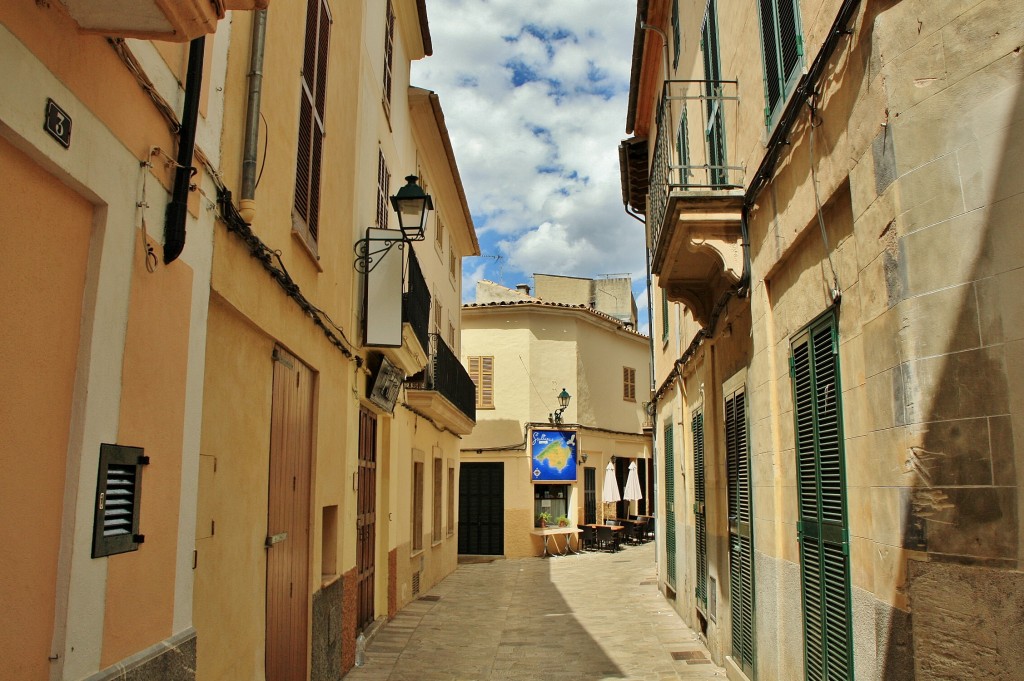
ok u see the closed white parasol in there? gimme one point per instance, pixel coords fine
(632, 491)
(610, 492)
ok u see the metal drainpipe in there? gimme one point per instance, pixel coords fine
(177, 209)
(247, 199)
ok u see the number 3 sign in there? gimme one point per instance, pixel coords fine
(58, 123)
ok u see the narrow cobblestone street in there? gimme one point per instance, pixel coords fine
(574, 618)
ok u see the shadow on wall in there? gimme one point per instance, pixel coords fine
(956, 389)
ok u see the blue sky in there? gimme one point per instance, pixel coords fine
(534, 95)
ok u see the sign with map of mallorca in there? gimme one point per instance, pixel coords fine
(553, 455)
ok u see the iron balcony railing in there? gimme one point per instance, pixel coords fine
(416, 302)
(690, 150)
(446, 375)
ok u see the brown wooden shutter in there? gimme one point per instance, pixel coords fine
(312, 109)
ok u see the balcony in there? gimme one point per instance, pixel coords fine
(695, 198)
(444, 391)
(170, 20)
(411, 355)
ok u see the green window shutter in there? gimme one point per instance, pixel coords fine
(699, 510)
(118, 499)
(715, 133)
(824, 543)
(676, 34)
(664, 316)
(782, 51)
(683, 150)
(741, 538)
(670, 511)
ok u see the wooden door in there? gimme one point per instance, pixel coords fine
(589, 495)
(366, 517)
(482, 509)
(291, 427)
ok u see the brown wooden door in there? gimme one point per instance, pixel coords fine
(291, 424)
(366, 517)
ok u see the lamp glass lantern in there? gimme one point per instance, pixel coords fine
(563, 403)
(412, 205)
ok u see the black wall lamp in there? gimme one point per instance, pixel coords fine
(412, 205)
(563, 403)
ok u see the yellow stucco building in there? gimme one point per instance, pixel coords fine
(833, 213)
(522, 351)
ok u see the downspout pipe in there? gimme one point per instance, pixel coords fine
(247, 194)
(177, 209)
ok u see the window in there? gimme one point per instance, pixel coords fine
(715, 131)
(664, 316)
(481, 370)
(741, 536)
(439, 233)
(435, 534)
(389, 54)
(451, 336)
(553, 499)
(437, 316)
(118, 490)
(629, 383)
(782, 49)
(313, 98)
(821, 495)
(451, 500)
(670, 504)
(700, 518)
(683, 150)
(417, 506)
(676, 46)
(453, 260)
(383, 189)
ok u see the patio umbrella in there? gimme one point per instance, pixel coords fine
(632, 491)
(610, 492)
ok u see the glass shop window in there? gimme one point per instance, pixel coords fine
(553, 499)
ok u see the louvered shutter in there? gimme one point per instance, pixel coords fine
(822, 529)
(699, 509)
(782, 49)
(715, 132)
(118, 498)
(312, 109)
(481, 370)
(741, 538)
(670, 507)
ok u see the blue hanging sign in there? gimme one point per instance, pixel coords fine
(553, 456)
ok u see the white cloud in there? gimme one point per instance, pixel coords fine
(534, 94)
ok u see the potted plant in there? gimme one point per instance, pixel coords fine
(563, 521)
(544, 518)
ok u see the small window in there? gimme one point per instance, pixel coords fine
(389, 55)
(437, 316)
(481, 370)
(782, 50)
(629, 383)
(676, 41)
(664, 316)
(417, 506)
(453, 260)
(451, 500)
(438, 473)
(439, 234)
(118, 495)
(451, 336)
(383, 189)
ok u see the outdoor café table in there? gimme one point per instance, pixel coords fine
(616, 529)
(552, 533)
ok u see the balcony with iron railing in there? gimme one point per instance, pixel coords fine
(412, 355)
(695, 195)
(443, 391)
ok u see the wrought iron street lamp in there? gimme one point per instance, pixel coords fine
(563, 403)
(412, 205)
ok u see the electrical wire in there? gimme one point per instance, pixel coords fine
(266, 139)
(813, 116)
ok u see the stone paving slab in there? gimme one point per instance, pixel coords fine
(592, 617)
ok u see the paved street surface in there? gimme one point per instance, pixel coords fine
(574, 618)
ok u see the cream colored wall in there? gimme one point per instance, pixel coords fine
(104, 610)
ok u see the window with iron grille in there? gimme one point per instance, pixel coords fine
(118, 497)
(821, 495)
(676, 35)
(715, 133)
(782, 50)
(435, 534)
(389, 54)
(741, 536)
(629, 383)
(481, 370)
(383, 189)
(699, 510)
(312, 104)
(417, 505)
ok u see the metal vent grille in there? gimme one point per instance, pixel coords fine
(119, 500)
(415, 584)
(118, 495)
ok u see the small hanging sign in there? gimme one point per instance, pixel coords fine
(57, 123)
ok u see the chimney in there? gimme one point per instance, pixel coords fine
(523, 288)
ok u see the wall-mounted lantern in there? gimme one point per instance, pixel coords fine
(563, 403)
